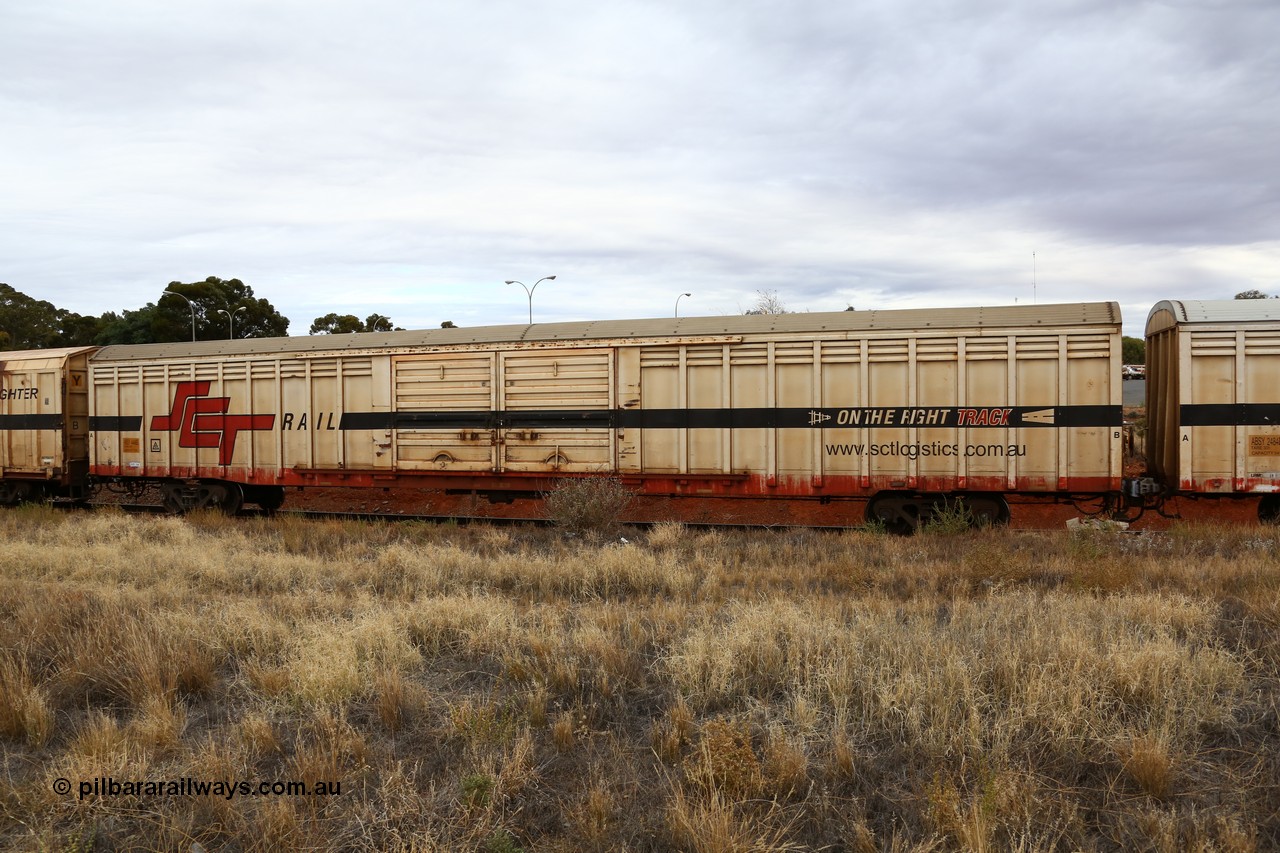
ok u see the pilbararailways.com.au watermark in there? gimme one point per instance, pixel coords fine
(228, 789)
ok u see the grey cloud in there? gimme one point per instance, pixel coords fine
(915, 151)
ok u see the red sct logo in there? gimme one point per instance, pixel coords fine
(203, 421)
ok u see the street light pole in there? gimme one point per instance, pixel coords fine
(231, 320)
(190, 305)
(678, 298)
(530, 290)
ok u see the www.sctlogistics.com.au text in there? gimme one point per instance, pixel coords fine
(929, 449)
(227, 789)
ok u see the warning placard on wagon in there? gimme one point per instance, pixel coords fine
(1264, 445)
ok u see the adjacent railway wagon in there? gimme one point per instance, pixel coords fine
(44, 423)
(1213, 399)
(902, 409)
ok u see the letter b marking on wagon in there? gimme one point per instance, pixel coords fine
(202, 421)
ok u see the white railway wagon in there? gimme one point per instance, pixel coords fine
(44, 422)
(902, 407)
(1213, 397)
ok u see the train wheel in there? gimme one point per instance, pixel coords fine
(987, 510)
(231, 499)
(172, 498)
(898, 512)
(270, 498)
(1269, 510)
(14, 492)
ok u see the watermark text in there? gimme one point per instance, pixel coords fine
(226, 789)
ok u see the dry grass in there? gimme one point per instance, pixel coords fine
(588, 506)
(508, 689)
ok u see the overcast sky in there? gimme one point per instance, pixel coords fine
(406, 157)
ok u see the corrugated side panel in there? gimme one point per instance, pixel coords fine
(245, 420)
(31, 412)
(923, 411)
(1258, 448)
(1229, 408)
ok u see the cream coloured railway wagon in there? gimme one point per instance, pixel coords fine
(1213, 397)
(44, 423)
(902, 407)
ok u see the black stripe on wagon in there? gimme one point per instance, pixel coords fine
(53, 421)
(711, 418)
(884, 417)
(1083, 416)
(577, 418)
(437, 420)
(128, 423)
(878, 417)
(571, 419)
(1230, 414)
(366, 420)
(743, 418)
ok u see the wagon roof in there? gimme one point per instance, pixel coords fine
(56, 352)
(1230, 311)
(1105, 314)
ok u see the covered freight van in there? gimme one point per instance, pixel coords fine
(906, 408)
(1213, 397)
(44, 423)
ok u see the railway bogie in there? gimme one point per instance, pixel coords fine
(1269, 509)
(906, 512)
(181, 497)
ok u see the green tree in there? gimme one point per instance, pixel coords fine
(336, 324)
(258, 319)
(79, 330)
(27, 323)
(169, 318)
(380, 323)
(1133, 350)
(1252, 294)
(342, 324)
(131, 327)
